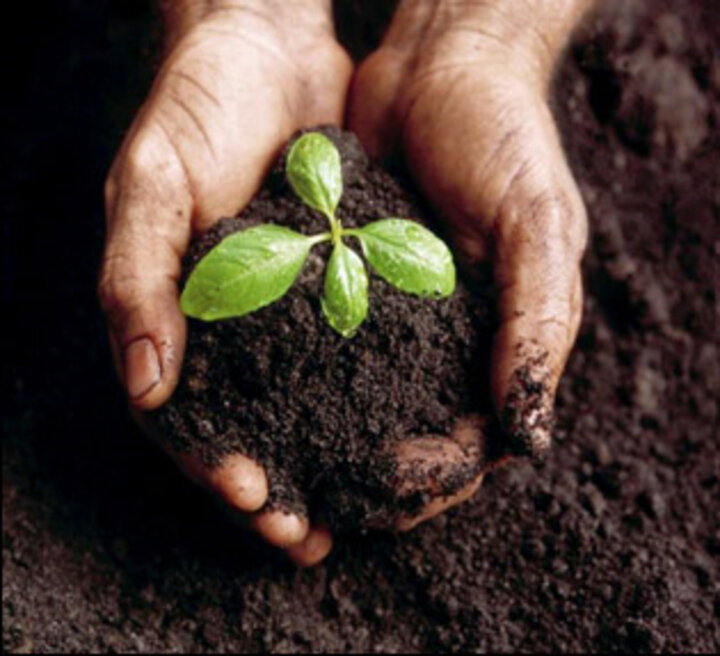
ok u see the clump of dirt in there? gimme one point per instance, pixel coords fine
(324, 414)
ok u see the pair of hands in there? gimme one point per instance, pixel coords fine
(459, 88)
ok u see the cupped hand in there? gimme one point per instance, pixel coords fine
(238, 80)
(460, 89)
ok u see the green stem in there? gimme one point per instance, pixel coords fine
(336, 229)
(323, 236)
(351, 232)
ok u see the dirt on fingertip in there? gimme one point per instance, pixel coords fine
(527, 419)
(324, 414)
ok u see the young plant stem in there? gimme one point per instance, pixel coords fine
(323, 236)
(336, 229)
(404, 253)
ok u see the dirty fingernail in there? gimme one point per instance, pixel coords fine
(528, 419)
(142, 367)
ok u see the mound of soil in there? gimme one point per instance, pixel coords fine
(321, 413)
(612, 543)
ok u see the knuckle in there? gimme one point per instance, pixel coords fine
(557, 330)
(141, 159)
(548, 213)
(546, 220)
(116, 290)
(153, 168)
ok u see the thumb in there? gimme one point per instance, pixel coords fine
(539, 240)
(148, 207)
(493, 163)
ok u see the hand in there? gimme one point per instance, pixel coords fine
(238, 80)
(460, 88)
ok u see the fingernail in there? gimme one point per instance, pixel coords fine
(142, 367)
(528, 419)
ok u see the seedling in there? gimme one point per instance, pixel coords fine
(255, 267)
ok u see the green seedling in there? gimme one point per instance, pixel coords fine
(255, 267)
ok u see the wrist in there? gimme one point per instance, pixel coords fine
(312, 16)
(527, 35)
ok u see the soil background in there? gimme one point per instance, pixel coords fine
(612, 543)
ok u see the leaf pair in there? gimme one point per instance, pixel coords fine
(402, 252)
(255, 267)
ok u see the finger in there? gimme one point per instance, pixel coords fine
(537, 258)
(148, 205)
(314, 548)
(539, 236)
(438, 506)
(242, 484)
(237, 480)
(280, 528)
(439, 471)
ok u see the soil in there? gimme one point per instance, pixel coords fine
(322, 413)
(610, 544)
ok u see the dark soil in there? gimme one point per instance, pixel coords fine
(610, 544)
(322, 413)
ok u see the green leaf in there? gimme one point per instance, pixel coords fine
(244, 272)
(408, 256)
(345, 301)
(313, 169)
